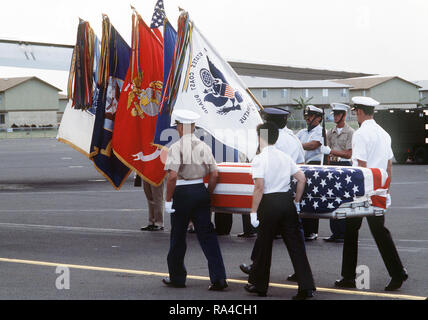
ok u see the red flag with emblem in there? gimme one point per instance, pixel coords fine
(138, 107)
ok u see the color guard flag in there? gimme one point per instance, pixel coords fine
(77, 123)
(138, 106)
(114, 64)
(76, 129)
(158, 19)
(164, 118)
(210, 87)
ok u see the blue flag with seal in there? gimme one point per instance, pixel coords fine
(164, 117)
(114, 64)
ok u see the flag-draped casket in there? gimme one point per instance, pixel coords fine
(330, 193)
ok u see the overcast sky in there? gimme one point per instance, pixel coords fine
(388, 37)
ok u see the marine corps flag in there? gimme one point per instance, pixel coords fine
(138, 106)
(205, 83)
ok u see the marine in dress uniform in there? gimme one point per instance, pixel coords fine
(312, 140)
(371, 148)
(274, 209)
(189, 161)
(339, 142)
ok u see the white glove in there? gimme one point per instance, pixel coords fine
(254, 221)
(168, 207)
(325, 150)
(388, 201)
(297, 205)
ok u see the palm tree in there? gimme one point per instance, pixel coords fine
(302, 103)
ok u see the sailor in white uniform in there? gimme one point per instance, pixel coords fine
(371, 148)
(312, 138)
(313, 143)
(287, 142)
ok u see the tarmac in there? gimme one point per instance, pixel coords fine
(66, 234)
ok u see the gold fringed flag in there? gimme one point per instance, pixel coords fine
(138, 106)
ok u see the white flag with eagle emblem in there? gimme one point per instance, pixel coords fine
(211, 88)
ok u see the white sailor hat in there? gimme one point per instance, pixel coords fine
(312, 109)
(276, 111)
(184, 116)
(340, 107)
(364, 102)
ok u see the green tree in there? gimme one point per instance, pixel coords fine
(302, 103)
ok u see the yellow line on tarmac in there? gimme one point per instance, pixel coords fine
(159, 274)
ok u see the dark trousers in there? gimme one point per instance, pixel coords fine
(223, 223)
(384, 243)
(338, 227)
(193, 202)
(278, 213)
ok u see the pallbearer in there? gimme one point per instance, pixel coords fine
(273, 206)
(189, 161)
(287, 142)
(371, 148)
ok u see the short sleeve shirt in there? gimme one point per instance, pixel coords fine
(306, 136)
(342, 140)
(276, 168)
(291, 145)
(191, 158)
(372, 144)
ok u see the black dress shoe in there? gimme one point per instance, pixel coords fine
(396, 283)
(245, 268)
(292, 278)
(246, 235)
(156, 228)
(304, 295)
(148, 228)
(218, 285)
(252, 289)
(334, 239)
(169, 283)
(345, 283)
(311, 237)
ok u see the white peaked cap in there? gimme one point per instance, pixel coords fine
(312, 108)
(185, 116)
(365, 101)
(340, 107)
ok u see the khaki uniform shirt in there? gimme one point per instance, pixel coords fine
(191, 158)
(342, 141)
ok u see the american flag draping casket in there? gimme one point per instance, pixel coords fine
(331, 192)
